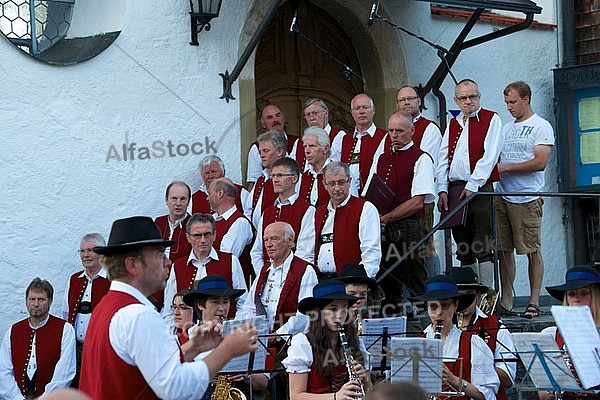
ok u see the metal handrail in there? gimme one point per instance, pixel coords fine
(466, 201)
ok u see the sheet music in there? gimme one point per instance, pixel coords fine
(556, 364)
(239, 364)
(577, 327)
(418, 360)
(372, 329)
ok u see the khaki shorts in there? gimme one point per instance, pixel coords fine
(518, 226)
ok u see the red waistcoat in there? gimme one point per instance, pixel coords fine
(420, 126)
(287, 305)
(306, 187)
(346, 243)
(333, 133)
(200, 202)
(320, 384)
(368, 146)
(292, 214)
(397, 170)
(478, 129)
(268, 193)
(182, 247)
(185, 273)
(464, 352)
(223, 227)
(487, 329)
(48, 347)
(77, 286)
(104, 375)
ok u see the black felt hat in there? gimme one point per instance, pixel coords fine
(576, 278)
(355, 273)
(324, 293)
(443, 287)
(132, 233)
(466, 278)
(212, 286)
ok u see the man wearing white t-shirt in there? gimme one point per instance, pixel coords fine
(527, 146)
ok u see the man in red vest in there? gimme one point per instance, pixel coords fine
(489, 327)
(316, 113)
(347, 228)
(234, 233)
(288, 208)
(408, 171)
(38, 353)
(283, 281)
(212, 168)
(84, 291)
(272, 119)
(357, 148)
(129, 353)
(428, 138)
(272, 147)
(467, 164)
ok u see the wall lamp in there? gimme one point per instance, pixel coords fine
(202, 12)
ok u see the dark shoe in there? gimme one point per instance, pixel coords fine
(531, 311)
(505, 312)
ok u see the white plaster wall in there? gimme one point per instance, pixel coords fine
(59, 122)
(529, 55)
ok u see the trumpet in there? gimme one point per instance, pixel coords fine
(349, 359)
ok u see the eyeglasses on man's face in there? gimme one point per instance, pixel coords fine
(205, 235)
(403, 99)
(340, 182)
(471, 97)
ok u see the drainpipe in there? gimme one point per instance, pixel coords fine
(568, 33)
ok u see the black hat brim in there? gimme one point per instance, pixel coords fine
(126, 247)
(310, 303)
(190, 298)
(372, 283)
(558, 292)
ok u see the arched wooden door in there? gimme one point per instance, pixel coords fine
(289, 70)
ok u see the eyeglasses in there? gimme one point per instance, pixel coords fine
(279, 176)
(313, 113)
(180, 307)
(341, 182)
(409, 98)
(205, 235)
(358, 108)
(85, 251)
(471, 97)
(433, 306)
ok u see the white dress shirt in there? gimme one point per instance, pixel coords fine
(255, 164)
(238, 236)
(369, 235)
(255, 213)
(64, 371)
(272, 291)
(483, 375)
(305, 239)
(81, 320)
(460, 169)
(156, 355)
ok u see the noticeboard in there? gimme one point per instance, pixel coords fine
(577, 91)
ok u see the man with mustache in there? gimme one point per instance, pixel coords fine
(272, 119)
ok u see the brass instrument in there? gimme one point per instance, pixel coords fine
(438, 330)
(349, 359)
(225, 391)
(359, 322)
(488, 301)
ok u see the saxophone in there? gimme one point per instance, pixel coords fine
(359, 322)
(349, 359)
(224, 390)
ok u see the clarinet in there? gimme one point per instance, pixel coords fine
(438, 330)
(348, 356)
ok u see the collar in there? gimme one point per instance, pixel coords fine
(309, 168)
(101, 274)
(287, 202)
(41, 323)
(327, 128)
(178, 222)
(120, 286)
(342, 204)
(203, 187)
(226, 215)
(475, 114)
(266, 174)
(408, 146)
(370, 131)
(212, 255)
(285, 267)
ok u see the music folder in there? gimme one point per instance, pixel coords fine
(460, 217)
(380, 194)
